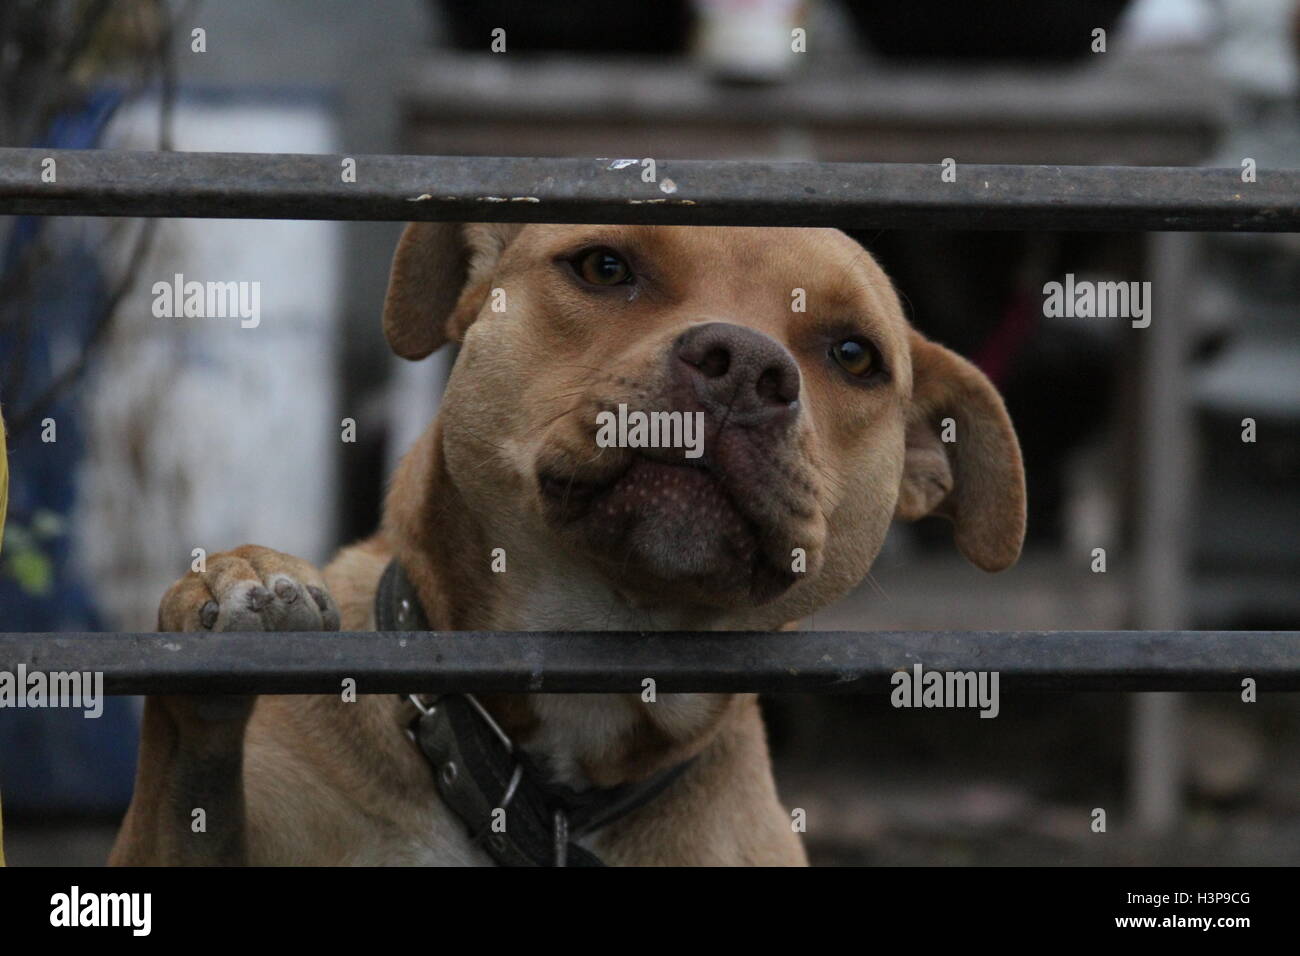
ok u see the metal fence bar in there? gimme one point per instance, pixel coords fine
(695, 192)
(774, 662)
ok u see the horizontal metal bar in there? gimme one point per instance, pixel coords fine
(600, 662)
(694, 192)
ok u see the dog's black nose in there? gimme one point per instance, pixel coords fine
(737, 372)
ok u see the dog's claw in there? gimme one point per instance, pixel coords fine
(208, 614)
(258, 598)
(250, 589)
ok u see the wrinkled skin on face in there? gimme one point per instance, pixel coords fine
(789, 346)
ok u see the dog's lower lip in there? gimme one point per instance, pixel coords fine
(570, 488)
(601, 505)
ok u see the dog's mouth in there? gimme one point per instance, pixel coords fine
(645, 486)
(669, 522)
(638, 477)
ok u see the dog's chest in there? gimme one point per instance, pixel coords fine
(435, 838)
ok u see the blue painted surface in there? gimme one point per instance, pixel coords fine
(56, 761)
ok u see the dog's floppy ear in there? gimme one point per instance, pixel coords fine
(440, 278)
(975, 477)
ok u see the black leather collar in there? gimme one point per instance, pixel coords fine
(502, 797)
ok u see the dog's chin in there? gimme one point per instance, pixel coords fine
(669, 530)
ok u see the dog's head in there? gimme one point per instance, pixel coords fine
(822, 414)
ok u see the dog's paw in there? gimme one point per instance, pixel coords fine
(247, 589)
(250, 589)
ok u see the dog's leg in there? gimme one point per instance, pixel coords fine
(188, 806)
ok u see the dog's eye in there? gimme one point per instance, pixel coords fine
(602, 267)
(854, 356)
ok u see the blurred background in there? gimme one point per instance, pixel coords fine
(172, 433)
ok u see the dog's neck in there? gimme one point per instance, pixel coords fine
(446, 551)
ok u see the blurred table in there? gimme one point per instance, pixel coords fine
(1159, 108)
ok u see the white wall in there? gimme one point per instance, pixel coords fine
(202, 433)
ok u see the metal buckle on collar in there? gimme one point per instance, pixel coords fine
(419, 704)
(516, 775)
(487, 719)
(414, 700)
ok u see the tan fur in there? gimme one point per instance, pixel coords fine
(322, 781)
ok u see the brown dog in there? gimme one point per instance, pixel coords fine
(820, 425)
